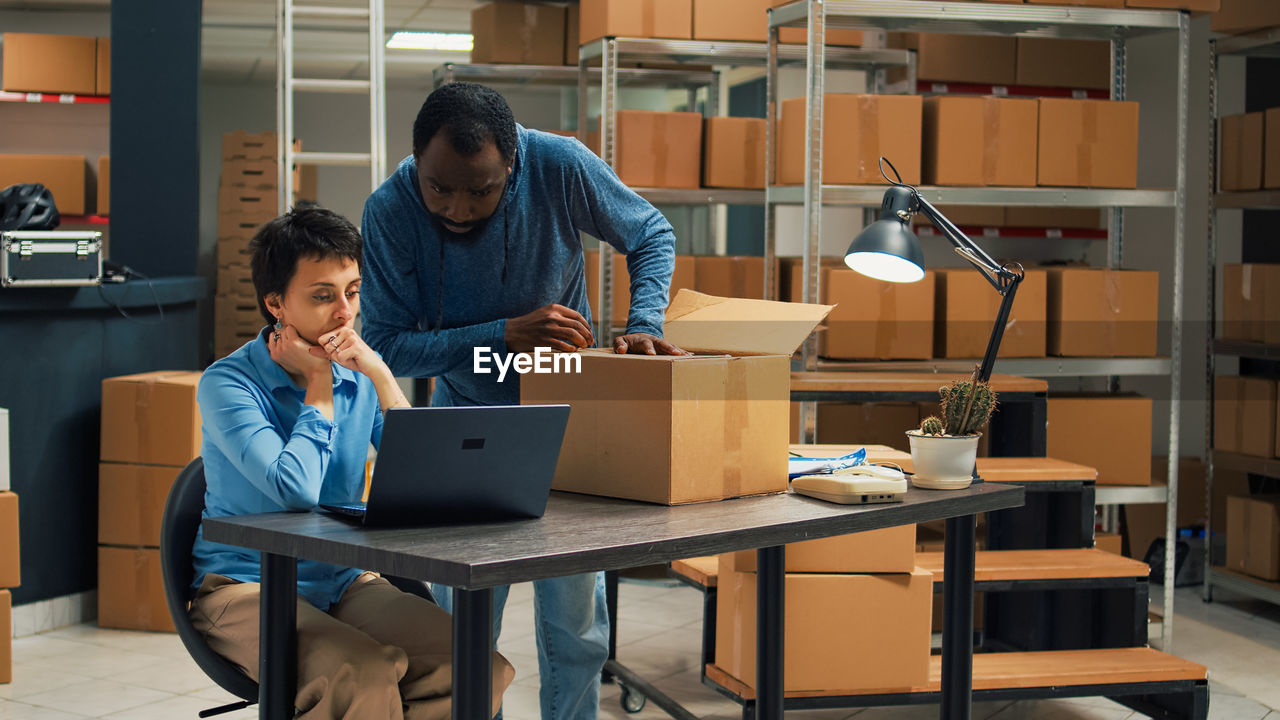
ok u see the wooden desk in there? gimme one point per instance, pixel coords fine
(582, 533)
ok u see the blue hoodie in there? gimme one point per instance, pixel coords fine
(429, 298)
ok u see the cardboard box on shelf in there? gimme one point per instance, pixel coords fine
(983, 216)
(525, 33)
(1244, 415)
(1241, 166)
(676, 430)
(131, 502)
(10, 565)
(1099, 312)
(876, 320)
(966, 308)
(734, 276)
(1109, 432)
(1253, 535)
(870, 126)
(1053, 62)
(960, 58)
(4, 450)
(1110, 542)
(1144, 523)
(1251, 302)
(1082, 3)
(50, 63)
(791, 275)
(731, 20)
(63, 175)
(978, 141)
(104, 186)
(826, 629)
(839, 37)
(571, 24)
(1054, 217)
(1087, 143)
(1271, 148)
(6, 636)
(151, 418)
(659, 149)
(635, 18)
(878, 423)
(1241, 16)
(682, 276)
(130, 590)
(102, 67)
(1192, 5)
(733, 152)
(889, 550)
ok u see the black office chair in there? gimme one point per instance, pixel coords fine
(178, 528)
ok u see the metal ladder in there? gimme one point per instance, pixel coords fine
(287, 84)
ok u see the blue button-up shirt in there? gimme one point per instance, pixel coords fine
(265, 450)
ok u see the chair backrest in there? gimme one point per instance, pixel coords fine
(178, 528)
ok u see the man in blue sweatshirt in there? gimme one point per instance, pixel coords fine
(472, 247)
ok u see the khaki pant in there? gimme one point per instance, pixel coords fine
(377, 653)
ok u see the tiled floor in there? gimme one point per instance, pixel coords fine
(83, 671)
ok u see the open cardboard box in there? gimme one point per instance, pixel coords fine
(677, 430)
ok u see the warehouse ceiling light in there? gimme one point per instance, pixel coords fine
(888, 250)
(454, 42)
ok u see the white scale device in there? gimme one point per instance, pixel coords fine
(856, 485)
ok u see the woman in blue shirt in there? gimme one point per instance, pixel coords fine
(287, 423)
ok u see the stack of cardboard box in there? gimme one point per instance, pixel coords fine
(1253, 535)
(1244, 415)
(833, 586)
(1250, 151)
(10, 566)
(150, 431)
(248, 196)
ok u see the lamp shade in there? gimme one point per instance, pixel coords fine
(887, 250)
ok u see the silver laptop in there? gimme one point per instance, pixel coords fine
(462, 464)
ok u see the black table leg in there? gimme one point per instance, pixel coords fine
(611, 608)
(278, 634)
(472, 642)
(957, 618)
(770, 603)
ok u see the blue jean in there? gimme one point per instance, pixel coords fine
(572, 626)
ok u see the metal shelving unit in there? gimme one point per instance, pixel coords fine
(1263, 44)
(564, 76)
(64, 98)
(1026, 367)
(1114, 25)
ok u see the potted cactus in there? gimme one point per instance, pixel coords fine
(944, 449)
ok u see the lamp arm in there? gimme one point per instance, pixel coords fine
(997, 332)
(997, 275)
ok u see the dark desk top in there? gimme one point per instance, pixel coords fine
(582, 533)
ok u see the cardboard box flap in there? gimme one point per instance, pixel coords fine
(709, 324)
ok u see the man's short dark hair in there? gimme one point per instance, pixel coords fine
(306, 232)
(472, 115)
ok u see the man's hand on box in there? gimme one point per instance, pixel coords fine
(644, 344)
(553, 326)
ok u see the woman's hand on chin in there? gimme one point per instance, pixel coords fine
(345, 347)
(293, 353)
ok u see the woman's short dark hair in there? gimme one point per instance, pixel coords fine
(305, 232)
(472, 115)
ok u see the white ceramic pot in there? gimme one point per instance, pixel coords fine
(943, 462)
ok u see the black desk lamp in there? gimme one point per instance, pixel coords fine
(888, 250)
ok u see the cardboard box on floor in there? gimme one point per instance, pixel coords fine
(247, 200)
(1253, 535)
(889, 550)
(659, 149)
(130, 590)
(676, 430)
(1099, 312)
(1242, 16)
(825, 623)
(241, 224)
(870, 126)
(1251, 302)
(1244, 415)
(1054, 62)
(10, 564)
(966, 308)
(735, 276)
(1087, 143)
(958, 58)
(1109, 432)
(682, 276)
(977, 141)
(876, 320)
(733, 152)
(241, 145)
(6, 636)
(63, 175)
(1241, 163)
(151, 418)
(50, 63)
(131, 502)
(518, 32)
(671, 19)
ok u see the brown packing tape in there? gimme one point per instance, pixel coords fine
(649, 18)
(142, 416)
(753, 161)
(661, 148)
(868, 136)
(736, 417)
(990, 137)
(737, 278)
(527, 32)
(1111, 295)
(1084, 152)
